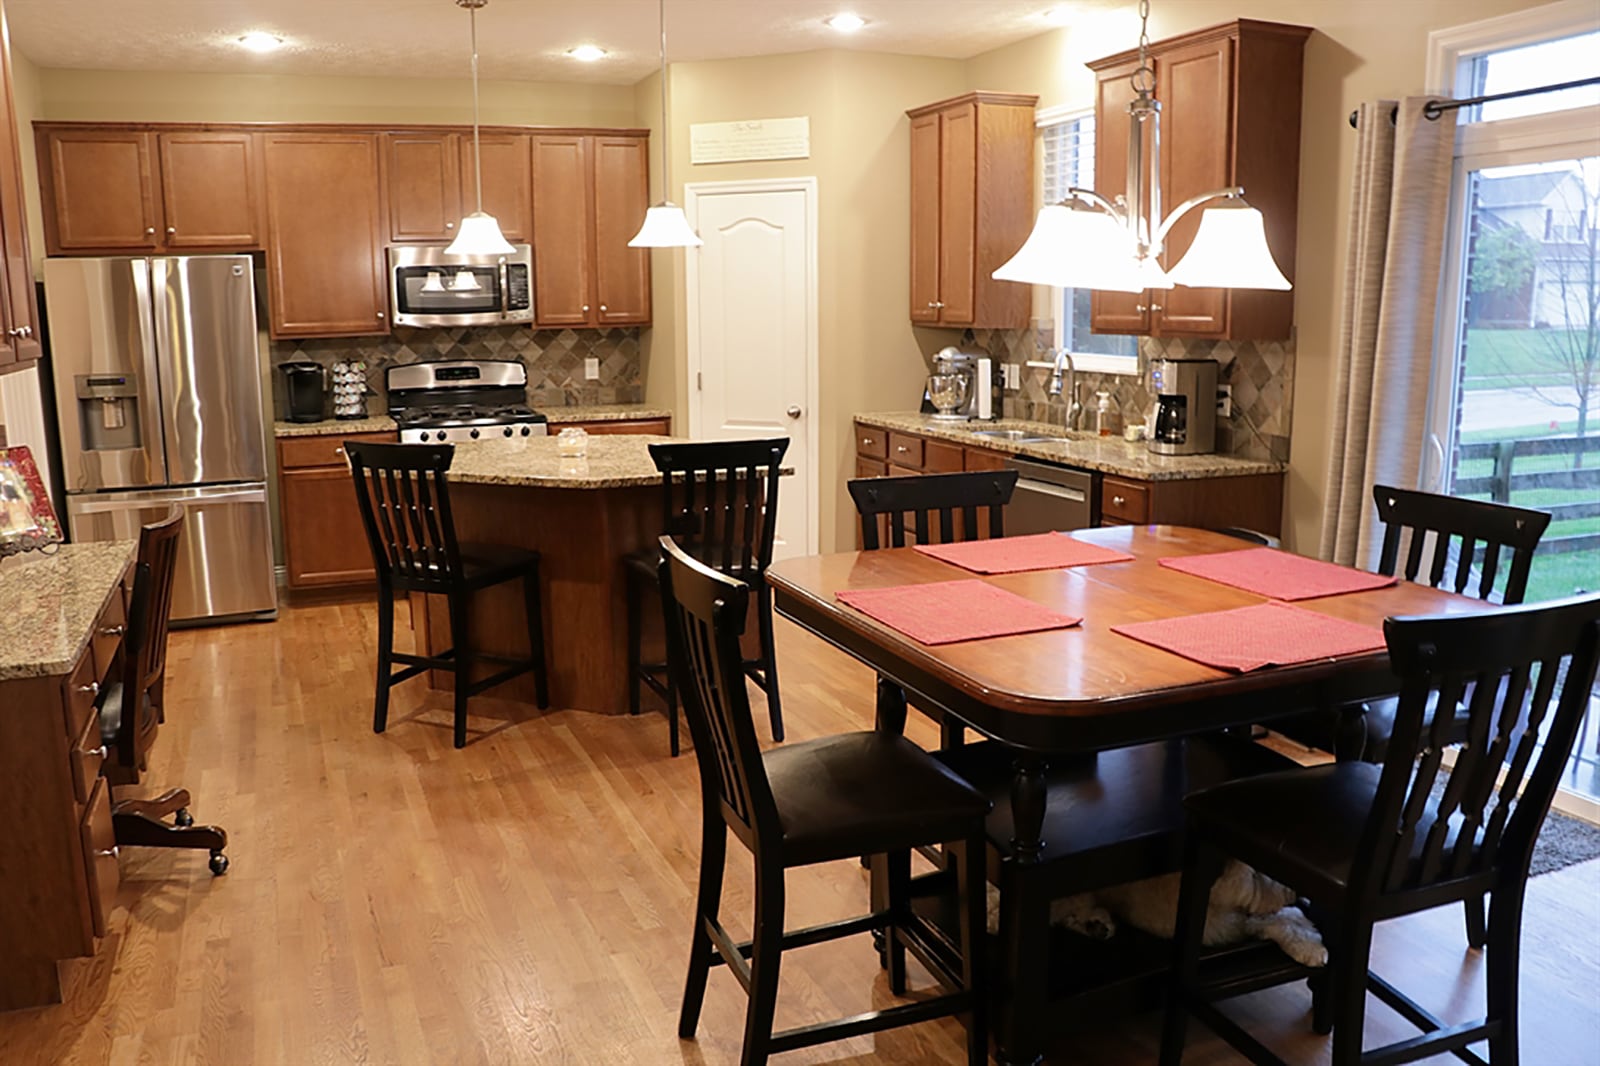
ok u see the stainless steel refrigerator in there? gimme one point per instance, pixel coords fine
(158, 400)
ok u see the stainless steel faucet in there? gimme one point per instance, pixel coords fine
(1074, 408)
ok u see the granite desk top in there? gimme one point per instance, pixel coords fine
(50, 603)
(1109, 455)
(610, 412)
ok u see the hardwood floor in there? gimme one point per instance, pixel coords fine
(526, 900)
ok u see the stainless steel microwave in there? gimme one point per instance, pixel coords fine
(429, 288)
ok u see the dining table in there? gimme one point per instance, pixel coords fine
(1093, 735)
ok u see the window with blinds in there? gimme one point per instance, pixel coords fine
(1068, 148)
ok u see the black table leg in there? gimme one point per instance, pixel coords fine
(1022, 998)
(1350, 732)
(1027, 807)
(891, 707)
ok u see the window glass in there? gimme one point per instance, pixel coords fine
(1545, 63)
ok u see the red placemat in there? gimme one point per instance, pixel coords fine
(945, 612)
(1248, 638)
(1011, 555)
(1278, 575)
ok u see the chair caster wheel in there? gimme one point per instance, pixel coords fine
(183, 819)
(219, 864)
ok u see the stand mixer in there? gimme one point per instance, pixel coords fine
(961, 386)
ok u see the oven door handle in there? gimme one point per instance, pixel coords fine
(505, 289)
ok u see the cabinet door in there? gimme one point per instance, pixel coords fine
(424, 186)
(925, 219)
(507, 181)
(1115, 312)
(325, 268)
(658, 427)
(209, 190)
(1195, 83)
(562, 266)
(98, 190)
(621, 195)
(19, 313)
(324, 542)
(958, 214)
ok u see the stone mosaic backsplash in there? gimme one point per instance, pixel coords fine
(1261, 373)
(554, 358)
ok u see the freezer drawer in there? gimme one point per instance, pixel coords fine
(224, 566)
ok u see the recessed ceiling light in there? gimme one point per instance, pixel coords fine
(261, 42)
(844, 22)
(587, 53)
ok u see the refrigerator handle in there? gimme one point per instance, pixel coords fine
(151, 402)
(126, 501)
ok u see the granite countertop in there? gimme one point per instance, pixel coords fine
(1109, 455)
(609, 412)
(612, 462)
(52, 603)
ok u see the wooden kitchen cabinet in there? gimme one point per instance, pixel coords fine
(423, 177)
(971, 208)
(324, 543)
(658, 427)
(507, 183)
(325, 251)
(19, 311)
(1230, 97)
(590, 194)
(121, 189)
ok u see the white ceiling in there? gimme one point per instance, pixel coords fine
(522, 40)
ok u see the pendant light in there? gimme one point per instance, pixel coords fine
(1088, 242)
(479, 234)
(665, 225)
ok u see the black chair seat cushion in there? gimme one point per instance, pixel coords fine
(865, 793)
(1301, 826)
(1319, 729)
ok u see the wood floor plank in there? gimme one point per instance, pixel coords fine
(526, 900)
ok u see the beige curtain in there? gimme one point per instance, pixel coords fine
(1398, 206)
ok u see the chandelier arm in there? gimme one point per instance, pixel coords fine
(1234, 192)
(1089, 196)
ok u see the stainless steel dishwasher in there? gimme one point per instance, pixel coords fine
(1048, 498)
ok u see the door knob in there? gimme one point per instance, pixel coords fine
(794, 410)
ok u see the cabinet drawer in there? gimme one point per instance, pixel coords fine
(300, 452)
(78, 695)
(87, 753)
(941, 458)
(871, 467)
(100, 855)
(905, 450)
(871, 443)
(657, 427)
(108, 634)
(1128, 501)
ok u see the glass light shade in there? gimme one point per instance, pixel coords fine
(479, 235)
(1076, 247)
(665, 226)
(465, 281)
(1230, 252)
(435, 282)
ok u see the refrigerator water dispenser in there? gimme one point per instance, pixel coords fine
(108, 412)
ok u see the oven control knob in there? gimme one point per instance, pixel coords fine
(441, 435)
(474, 434)
(508, 431)
(526, 432)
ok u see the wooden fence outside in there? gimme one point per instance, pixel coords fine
(1504, 483)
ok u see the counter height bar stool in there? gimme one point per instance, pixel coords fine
(815, 801)
(719, 500)
(1365, 843)
(405, 509)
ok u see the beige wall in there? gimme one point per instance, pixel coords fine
(25, 96)
(1364, 49)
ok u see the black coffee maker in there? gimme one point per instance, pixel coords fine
(305, 390)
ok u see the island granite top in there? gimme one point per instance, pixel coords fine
(49, 604)
(1109, 455)
(609, 412)
(612, 462)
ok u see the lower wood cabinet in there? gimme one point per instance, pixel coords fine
(324, 543)
(658, 427)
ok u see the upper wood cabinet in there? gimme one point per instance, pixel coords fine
(19, 312)
(325, 251)
(590, 194)
(507, 183)
(119, 189)
(432, 182)
(971, 208)
(1230, 97)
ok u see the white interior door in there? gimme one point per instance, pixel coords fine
(752, 331)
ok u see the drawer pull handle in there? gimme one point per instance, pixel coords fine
(1118, 500)
(92, 688)
(339, 452)
(901, 448)
(107, 853)
(113, 631)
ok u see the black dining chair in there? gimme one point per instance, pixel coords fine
(719, 499)
(405, 508)
(817, 801)
(1364, 843)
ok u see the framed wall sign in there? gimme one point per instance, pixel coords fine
(27, 520)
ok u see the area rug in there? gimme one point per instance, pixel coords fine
(1563, 841)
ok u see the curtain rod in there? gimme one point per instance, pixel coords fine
(1434, 108)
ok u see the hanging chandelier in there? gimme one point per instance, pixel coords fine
(1087, 241)
(665, 224)
(479, 233)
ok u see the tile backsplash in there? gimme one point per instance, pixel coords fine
(554, 358)
(1261, 373)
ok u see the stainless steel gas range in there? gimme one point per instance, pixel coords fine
(462, 400)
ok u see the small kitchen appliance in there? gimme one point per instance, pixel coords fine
(428, 287)
(962, 386)
(1186, 406)
(462, 400)
(305, 387)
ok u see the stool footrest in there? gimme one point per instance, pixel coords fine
(871, 1022)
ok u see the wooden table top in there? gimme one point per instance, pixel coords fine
(1087, 687)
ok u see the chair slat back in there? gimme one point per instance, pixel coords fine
(916, 499)
(144, 640)
(405, 509)
(705, 615)
(1460, 529)
(719, 500)
(1524, 674)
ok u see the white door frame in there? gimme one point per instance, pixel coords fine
(692, 192)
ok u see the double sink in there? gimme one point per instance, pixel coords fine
(1020, 436)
